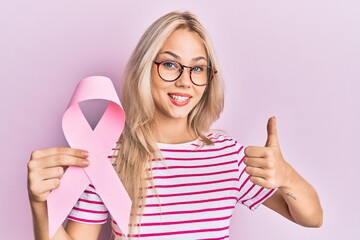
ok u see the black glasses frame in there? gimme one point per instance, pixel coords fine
(209, 69)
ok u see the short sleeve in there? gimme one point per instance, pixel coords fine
(250, 194)
(89, 208)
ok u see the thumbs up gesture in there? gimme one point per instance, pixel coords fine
(266, 165)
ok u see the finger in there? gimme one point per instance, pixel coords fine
(261, 182)
(254, 162)
(44, 186)
(49, 185)
(56, 161)
(256, 152)
(44, 174)
(255, 172)
(272, 139)
(59, 150)
(262, 163)
(49, 173)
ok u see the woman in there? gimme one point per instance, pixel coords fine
(184, 180)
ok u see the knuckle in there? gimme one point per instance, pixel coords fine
(271, 184)
(270, 164)
(31, 178)
(60, 150)
(252, 179)
(61, 160)
(34, 189)
(60, 171)
(34, 154)
(55, 183)
(266, 174)
(246, 151)
(30, 165)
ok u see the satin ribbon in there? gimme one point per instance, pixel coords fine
(99, 143)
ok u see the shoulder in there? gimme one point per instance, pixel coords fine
(221, 138)
(223, 141)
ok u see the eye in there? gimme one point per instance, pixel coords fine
(169, 64)
(198, 68)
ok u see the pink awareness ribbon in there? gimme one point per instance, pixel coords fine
(99, 142)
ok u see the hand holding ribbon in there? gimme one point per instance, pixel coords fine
(99, 143)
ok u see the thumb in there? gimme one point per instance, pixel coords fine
(272, 139)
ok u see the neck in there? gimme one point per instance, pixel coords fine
(173, 131)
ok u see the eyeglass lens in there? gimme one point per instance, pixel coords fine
(171, 71)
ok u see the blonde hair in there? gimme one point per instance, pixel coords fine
(137, 143)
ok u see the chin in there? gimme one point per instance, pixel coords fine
(179, 114)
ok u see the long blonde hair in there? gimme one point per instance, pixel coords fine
(137, 142)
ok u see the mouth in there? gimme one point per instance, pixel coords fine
(179, 99)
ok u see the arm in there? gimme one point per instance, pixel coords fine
(45, 169)
(295, 198)
(297, 201)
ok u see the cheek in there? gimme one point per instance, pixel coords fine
(200, 93)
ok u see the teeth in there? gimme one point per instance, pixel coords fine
(179, 98)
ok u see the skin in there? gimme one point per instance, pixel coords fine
(186, 48)
(295, 199)
(45, 169)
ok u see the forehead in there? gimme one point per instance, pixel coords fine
(186, 44)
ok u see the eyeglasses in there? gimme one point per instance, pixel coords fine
(171, 71)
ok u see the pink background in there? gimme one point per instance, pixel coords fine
(298, 60)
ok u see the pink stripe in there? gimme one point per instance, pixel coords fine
(198, 150)
(189, 211)
(184, 222)
(224, 140)
(242, 172)
(255, 195)
(246, 192)
(117, 233)
(217, 136)
(195, 175)
(214, 140)
(241, 161)
(87, 220)
(242, 185)
(219, 238)
(217, 141)
(179, 232)
(201, 158)
(191, 202)
(196, 166)
(260, 200)
(241, 147)
(89, 192)
(90, 211)
(194, 184)
(89, 201)
(193, 193)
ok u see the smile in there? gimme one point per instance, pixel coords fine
(179, 100)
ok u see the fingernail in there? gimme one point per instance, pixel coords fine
(85, 153)
(85, 162)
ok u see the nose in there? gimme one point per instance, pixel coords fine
(185, 79)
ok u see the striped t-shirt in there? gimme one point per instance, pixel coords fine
(197, 190)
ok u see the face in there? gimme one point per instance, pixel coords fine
(175, 100)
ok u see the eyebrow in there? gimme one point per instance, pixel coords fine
(178, 57)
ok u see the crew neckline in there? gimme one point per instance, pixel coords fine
(196, 142)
